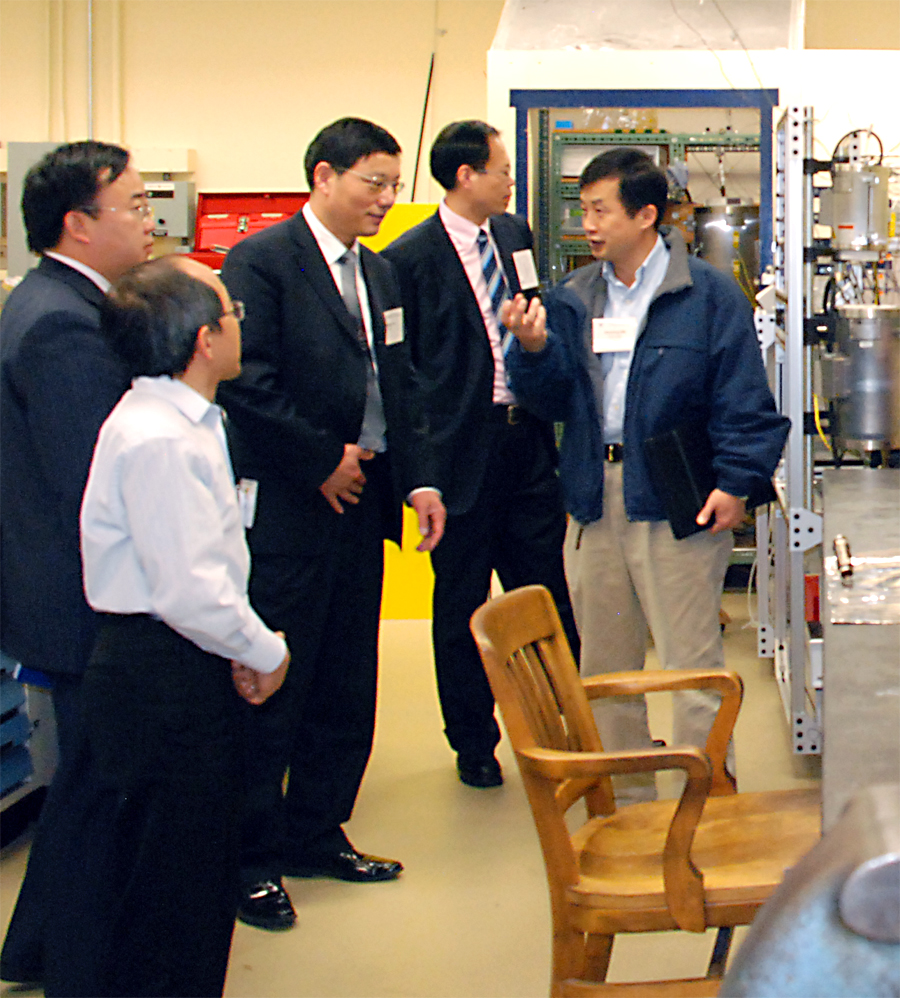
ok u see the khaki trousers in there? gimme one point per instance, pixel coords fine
(625, 579)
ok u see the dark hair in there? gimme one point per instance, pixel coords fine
(152, 314)
(641, 182)
(345, 142)
(461, 143)
(64, 180)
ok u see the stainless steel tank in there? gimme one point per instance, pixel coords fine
(865, 382)
(728, 237)
(860, 207)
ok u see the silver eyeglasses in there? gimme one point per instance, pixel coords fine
(143, 210)
(237, 310)
(376, 184)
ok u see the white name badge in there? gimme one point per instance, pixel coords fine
(246, 492)
(614, 335)
(393, 326)
(525, 269)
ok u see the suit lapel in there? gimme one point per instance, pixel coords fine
(448, 262)
(314, 268)
(509, 267)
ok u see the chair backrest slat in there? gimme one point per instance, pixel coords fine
(536, 683)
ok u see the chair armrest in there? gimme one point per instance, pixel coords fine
(559, 765)
(606, 684)
(727, 684)
(683, 881)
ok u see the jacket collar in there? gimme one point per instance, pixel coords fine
(590, 279)
(102, 282)
(678, 273)
(314, 267)
(79, 282)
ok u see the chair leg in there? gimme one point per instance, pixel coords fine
(720, 952)
(579, 957)
(597, 953)
(568, 959)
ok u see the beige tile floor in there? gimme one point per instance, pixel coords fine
(469, 917)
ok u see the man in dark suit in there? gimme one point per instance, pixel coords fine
(496, 461)
(86, 213)
(328, 437)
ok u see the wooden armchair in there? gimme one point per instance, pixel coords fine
(709, 859)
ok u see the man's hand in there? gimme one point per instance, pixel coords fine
(432, 517)
(728, 510)
(347, 480)
(257, 687)
(527, 322)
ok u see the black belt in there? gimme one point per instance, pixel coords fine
(613, 452)
(511, 414)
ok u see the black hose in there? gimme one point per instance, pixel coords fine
(858, 131)
(412, 196)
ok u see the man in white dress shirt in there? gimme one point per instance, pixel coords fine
(149, 908)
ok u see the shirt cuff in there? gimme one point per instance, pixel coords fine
(425, 488)
(266, 653)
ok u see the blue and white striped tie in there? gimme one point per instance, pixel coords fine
(498, 289)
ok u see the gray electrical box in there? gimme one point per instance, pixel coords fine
(174, 207)
(20, 158)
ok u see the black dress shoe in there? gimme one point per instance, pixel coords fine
(27, 980)
(480, 772)
(267, 906)
(348, 864)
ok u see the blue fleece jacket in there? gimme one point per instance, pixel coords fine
(697, 358)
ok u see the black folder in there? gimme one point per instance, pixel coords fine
(680, 464)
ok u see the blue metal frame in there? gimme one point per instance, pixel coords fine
(763, 100)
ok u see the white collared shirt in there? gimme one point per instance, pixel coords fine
(464, 236)
(161, 530)
(102, 283)
(627, 302)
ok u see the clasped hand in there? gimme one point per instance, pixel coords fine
(345, 483)
(256, 687)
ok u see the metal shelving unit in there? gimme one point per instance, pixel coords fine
(561, 157)
(789, 542)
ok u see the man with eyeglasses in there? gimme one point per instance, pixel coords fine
(496, 460)
(328, 437)
(645, 340)
(86, 214)
(147, 904)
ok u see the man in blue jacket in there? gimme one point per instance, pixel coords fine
(644, 340)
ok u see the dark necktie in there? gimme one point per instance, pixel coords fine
(372, 434)
(498, 290)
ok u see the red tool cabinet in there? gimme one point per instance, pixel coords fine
(226, 219)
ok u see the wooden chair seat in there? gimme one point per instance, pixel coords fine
(742, 847)
(709, 859)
